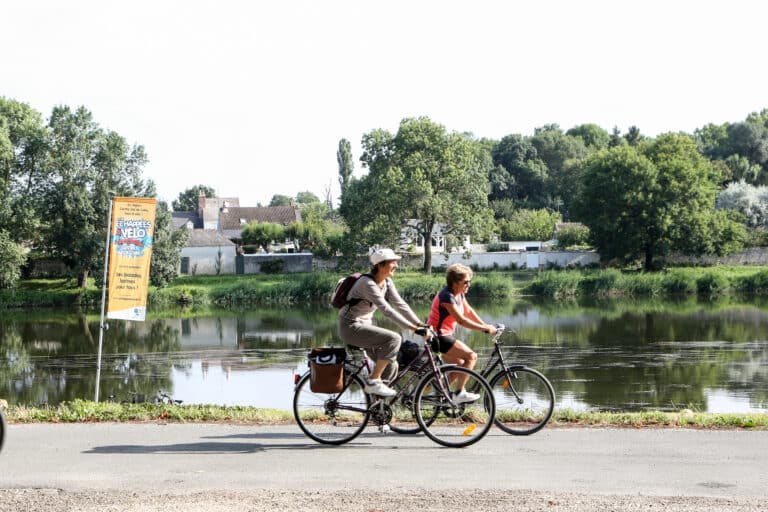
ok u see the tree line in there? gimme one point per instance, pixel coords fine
(640, 197)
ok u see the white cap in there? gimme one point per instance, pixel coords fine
(380, 255)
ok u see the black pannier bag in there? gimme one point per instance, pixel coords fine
(409, 350)
(326, 369)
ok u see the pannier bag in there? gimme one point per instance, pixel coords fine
(409, 350)
(326, 369)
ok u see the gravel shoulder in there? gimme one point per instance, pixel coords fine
(411, 500)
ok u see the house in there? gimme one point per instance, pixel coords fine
(209, 208)
(412, 241)
(233, 219)
(186, 220)
(208, 252)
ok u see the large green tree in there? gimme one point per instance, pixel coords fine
(84, 164)
(421, 173)
(189, 200)
(647, 200)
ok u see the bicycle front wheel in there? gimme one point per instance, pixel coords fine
(525, 400)
(447, 422)
(331, 418)
(2, 430)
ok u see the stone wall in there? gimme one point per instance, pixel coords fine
(751, 256)
(251, 263)
(488, 260)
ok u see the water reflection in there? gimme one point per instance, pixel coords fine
(619, 355)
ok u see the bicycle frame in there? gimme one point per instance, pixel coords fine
(420, 368)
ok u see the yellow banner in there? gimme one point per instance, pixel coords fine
(130, 250)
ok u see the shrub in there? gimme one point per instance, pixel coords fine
(12, 258)
(712, 283)
(573, 236)
(272, 266)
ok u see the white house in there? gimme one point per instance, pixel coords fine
(208, 252)
(411, 241)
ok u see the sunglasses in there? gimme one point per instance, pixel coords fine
(467, 282)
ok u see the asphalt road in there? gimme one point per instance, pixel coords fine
(194, 458)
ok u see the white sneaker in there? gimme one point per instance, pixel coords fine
(465, 396)
(377, 387)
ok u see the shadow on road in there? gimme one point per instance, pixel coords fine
(214, 447)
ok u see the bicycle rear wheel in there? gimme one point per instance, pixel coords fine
(454, 425)
(525, 400)
(403, 411)
(331, 418)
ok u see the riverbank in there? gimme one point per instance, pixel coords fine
(245, 290)
(84, 411)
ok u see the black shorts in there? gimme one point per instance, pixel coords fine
(443, 343)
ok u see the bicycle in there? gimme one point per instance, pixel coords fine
(525, 399)
(337, 418)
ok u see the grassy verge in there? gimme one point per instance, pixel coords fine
(88, 412)
(246, 290)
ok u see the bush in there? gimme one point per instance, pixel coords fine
(712, 283)
(12, 258)
(678, 283)
(272, 266)
(572, 236)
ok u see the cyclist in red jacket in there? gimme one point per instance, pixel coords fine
(450, 307)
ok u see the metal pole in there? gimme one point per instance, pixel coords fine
(102, 325)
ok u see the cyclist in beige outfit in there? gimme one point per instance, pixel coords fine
(373, 291)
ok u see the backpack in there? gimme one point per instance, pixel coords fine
(343, 285)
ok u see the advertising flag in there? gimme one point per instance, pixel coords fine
(130, 251)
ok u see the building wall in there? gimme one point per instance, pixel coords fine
(202, 260)
(298, 262)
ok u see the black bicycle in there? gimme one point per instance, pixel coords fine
(337, 418)
(525, 399)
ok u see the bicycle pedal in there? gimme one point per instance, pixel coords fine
(384, 429)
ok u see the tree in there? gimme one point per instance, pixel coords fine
(22, 171)
(592, 135)
(84, 164)
(422, 173)
(262, 233)
(529, 225)
(649, 200)
(166, 247)
(519, 173)
(189, 200)
(346, 165)
(303, 198)
(562, 155)
(281, 200)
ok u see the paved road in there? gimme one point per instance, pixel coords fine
(193, 458)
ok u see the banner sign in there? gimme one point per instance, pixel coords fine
(130, 250)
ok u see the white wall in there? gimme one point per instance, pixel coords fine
(205, 259)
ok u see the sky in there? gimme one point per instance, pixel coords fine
(251, 98)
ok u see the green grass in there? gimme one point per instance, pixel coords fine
(413, 285)
(83, 411)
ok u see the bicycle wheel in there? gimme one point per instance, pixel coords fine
(334, 418)
(403, 413)
(454, 425)
(2, 430)
(525, 400)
